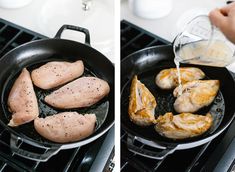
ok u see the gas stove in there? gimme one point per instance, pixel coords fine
(217, 155)
(96, 156)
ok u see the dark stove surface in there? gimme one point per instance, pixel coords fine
(203, 158)
(78, 159)
(134, 38)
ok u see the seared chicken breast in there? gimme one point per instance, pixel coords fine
(182, 126)
(66, 126)
(22, 101)
(82, 92)
(141, 104)
(195, 95)
(56, 73)
(168, 78)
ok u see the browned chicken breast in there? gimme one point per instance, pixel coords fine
(22, 101)
(54, 74)
(66, 126)
(82, 92)
(141, 104)
(182, 126)
(168, 78)
(195, 95)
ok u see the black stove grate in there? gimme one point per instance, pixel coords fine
(133, 39)
(11, 36)
(77, 159)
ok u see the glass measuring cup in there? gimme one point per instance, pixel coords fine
(202, 43)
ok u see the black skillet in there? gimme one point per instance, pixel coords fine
(36, 53)
(146, 64)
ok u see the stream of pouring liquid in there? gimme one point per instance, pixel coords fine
(177, 64)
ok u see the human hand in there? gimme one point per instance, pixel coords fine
(224, 19)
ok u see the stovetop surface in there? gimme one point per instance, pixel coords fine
(78, 159)
(202, 158)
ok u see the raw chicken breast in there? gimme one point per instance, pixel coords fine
(182, 126)
(82, 92)
(195, 95)
(66, 126)
(168, 78)
(22, 101)
(54, 74)
(142, 104)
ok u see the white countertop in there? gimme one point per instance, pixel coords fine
(167, 27)
(47, 16)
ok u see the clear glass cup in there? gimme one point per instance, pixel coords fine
(202, 43)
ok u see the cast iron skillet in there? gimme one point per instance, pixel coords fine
(36, 53)
(146, 64)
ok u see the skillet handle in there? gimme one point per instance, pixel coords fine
(76, 28)
(148, 153)
(43, 157)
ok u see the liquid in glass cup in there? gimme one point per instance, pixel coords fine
(204, 44)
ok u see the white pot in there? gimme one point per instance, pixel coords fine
(150, 9)
(14, 3)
